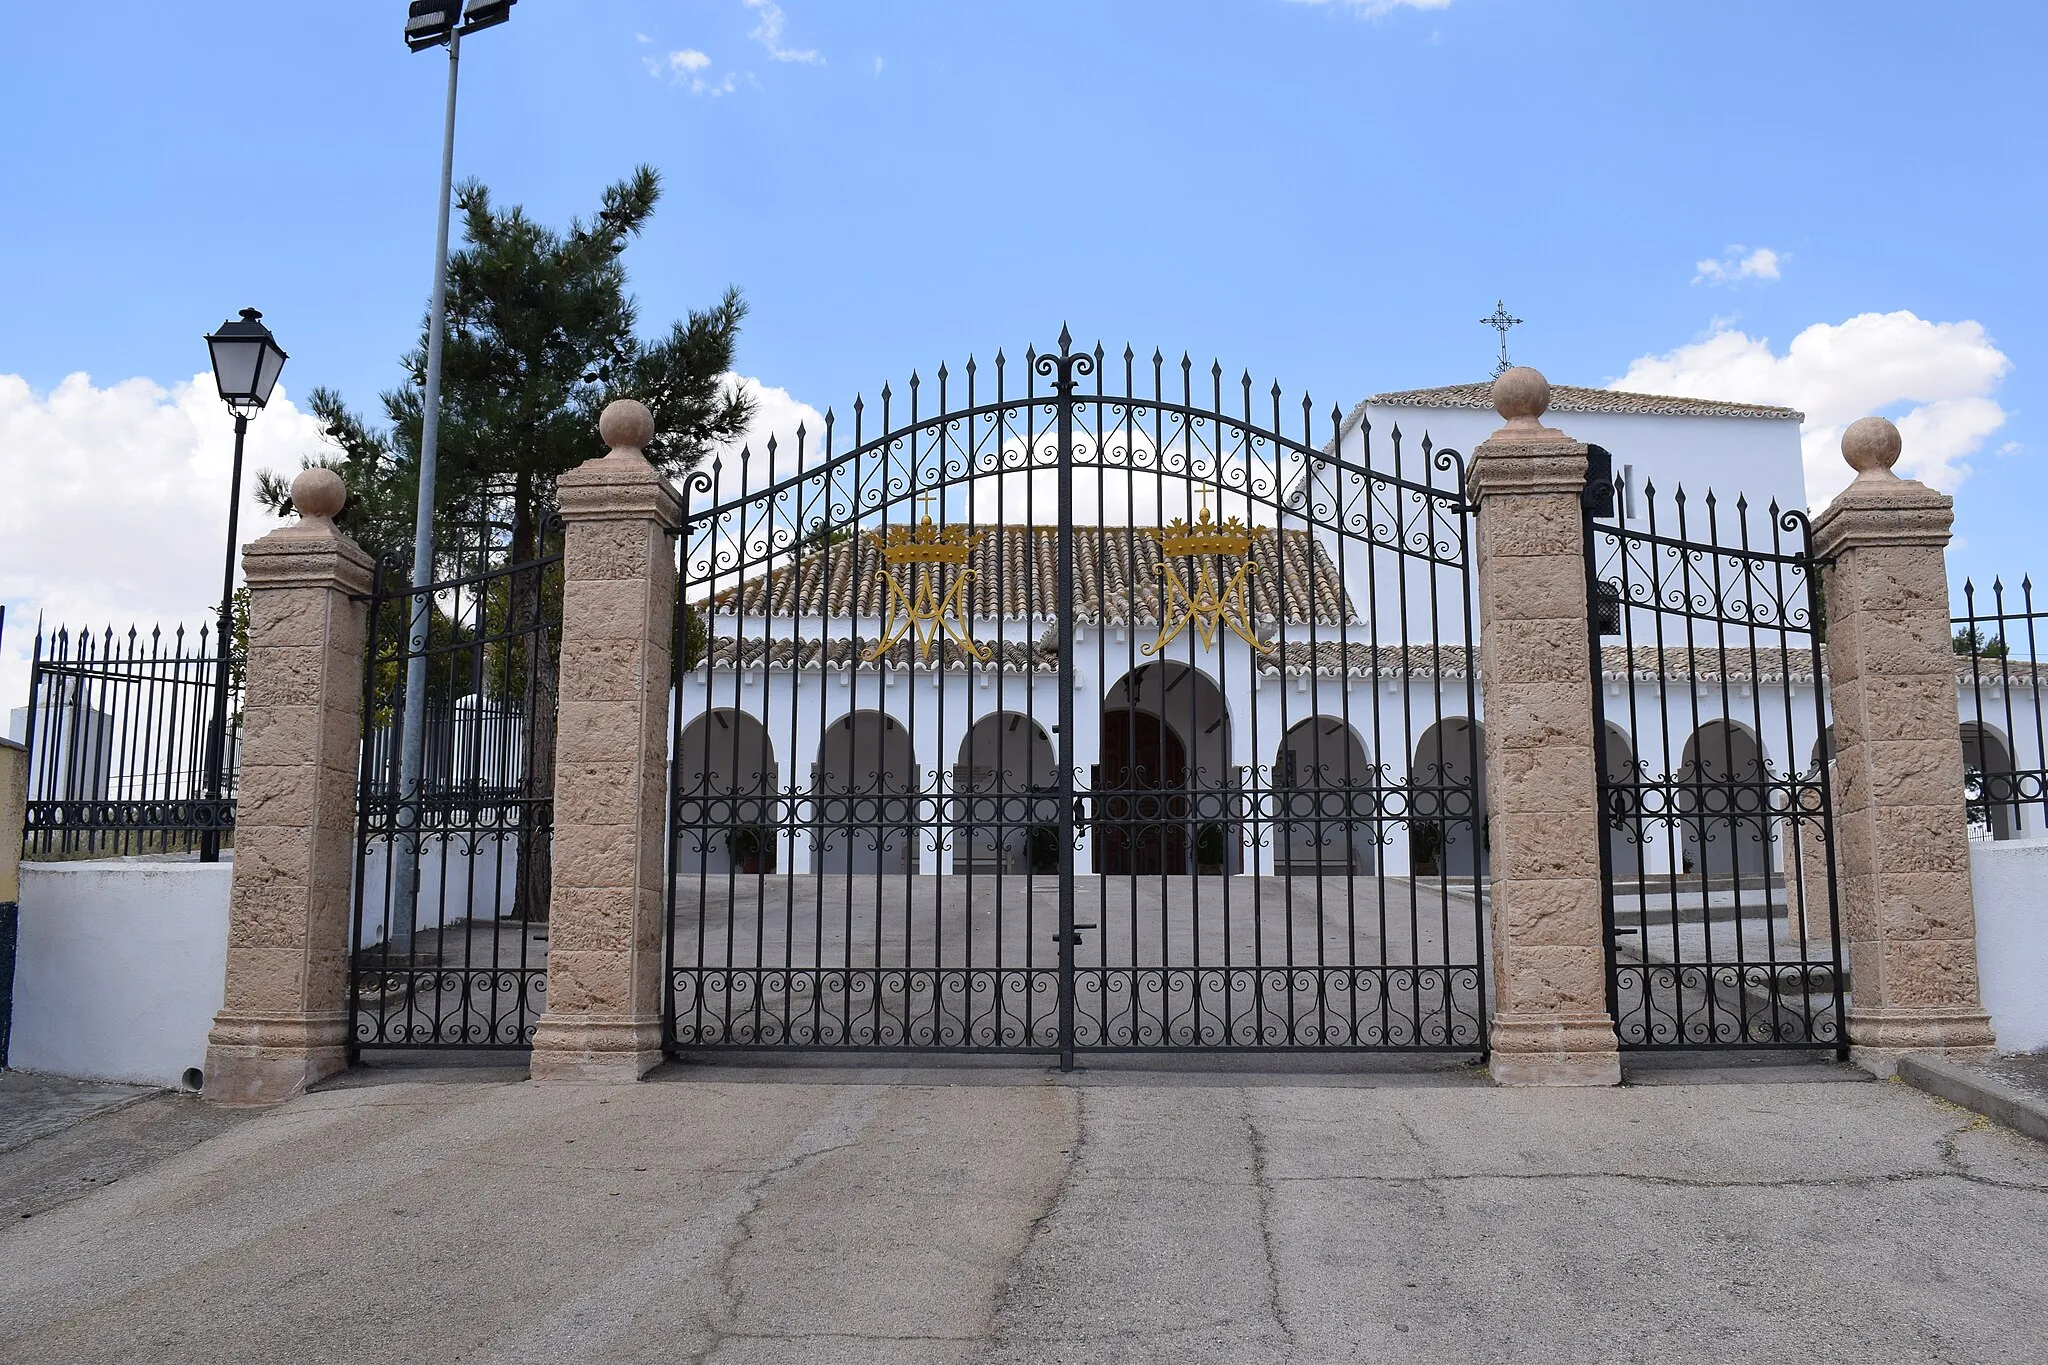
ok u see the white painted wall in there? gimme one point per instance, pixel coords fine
(462, 877)
(119, 969)
(1753, 456)
(2012, 938)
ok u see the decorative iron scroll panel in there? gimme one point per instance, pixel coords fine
(1717, 844)
(1065, 711)
(449, 941)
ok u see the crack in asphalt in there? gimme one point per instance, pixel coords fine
(995, 1337)
(582, 1327)
(1264, 1187)
(833, 1132)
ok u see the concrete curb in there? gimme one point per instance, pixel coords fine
(1973, 1089)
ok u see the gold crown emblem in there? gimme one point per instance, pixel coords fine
(925, 543)
(1206, 537)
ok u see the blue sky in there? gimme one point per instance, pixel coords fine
(1330, 193)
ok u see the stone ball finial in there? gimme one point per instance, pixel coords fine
(318, 494)
(626, 424)
(1871, 445)
(1521, 393)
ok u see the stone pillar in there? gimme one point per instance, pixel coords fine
(1550, 1023)
(283, 1022)
(1902, 851)
(603, 1020)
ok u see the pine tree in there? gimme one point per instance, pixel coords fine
(542, 333)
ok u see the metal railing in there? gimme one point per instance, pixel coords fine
(1998, 677)
(116, 728)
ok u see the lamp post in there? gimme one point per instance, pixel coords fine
(246, 363)
(428, 24)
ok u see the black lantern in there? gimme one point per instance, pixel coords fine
(246, 363)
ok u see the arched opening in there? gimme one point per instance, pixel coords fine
(1623, 811)
(1326, 795)
(866, 784)
(1988, 782)
(1166, 793)
(1447, 833)
(727, 818)
(1724, 802)
(1004, 819)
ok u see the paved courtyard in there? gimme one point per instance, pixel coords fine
(999, 1213)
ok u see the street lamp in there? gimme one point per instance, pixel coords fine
(429, 23)
(246, 363)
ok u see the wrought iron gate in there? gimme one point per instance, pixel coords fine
(1052, 715)
(449, 941)
(1717, 845)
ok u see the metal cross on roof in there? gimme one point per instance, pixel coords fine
(1500, 322)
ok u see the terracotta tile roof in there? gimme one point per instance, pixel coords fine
(1011, 656)
(1570, 398)
(1361, 659)
(1330, 658)
(1017, 576)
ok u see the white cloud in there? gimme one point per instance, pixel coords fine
(768, 33)
(878, 66)
(685, 67)
(1739, 263)
(1935, 379)
(116, 505)
(1376, 9)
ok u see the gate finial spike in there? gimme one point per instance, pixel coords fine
(942, 371)
(1129, 354)
(1000, 362)
(1066, 339)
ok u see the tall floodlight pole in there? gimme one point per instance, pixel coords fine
(428, 23)
(246, 363)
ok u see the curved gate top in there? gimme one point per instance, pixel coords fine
(1091, 703)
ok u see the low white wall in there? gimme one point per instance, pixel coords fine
(119, 968)
(461, 878)
(2011, 881)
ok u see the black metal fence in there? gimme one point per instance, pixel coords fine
(1717, 839)
(449, 937)
(1998, 676)
(116, 728)
(1090, 704)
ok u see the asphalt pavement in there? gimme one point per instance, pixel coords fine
(1000, 1212)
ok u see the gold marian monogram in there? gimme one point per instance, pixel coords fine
(1208, 603)
(917, 552)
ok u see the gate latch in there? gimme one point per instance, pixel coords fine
(1075, 937)
(1599, 481)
